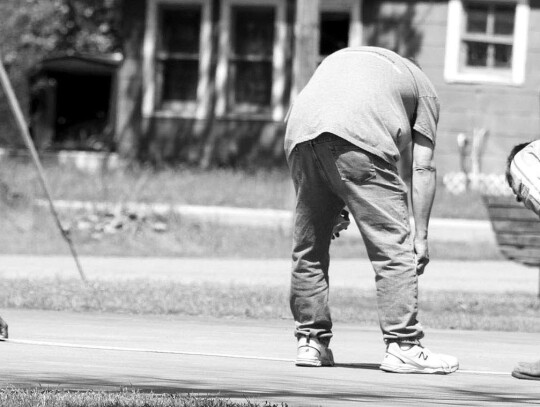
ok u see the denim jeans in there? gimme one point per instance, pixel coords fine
(329, 173)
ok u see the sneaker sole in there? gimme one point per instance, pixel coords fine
(312, 363)
(308, 362)
(524, 376)
(411, 369)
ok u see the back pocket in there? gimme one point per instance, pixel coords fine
(353, 163)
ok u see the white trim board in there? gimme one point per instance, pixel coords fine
(149, 54)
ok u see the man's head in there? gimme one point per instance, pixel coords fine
(516, 149)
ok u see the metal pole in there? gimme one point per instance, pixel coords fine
(25, 134)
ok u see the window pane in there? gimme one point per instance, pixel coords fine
(476, 53)
(181, 29)
(253, 82)
(504, 20)
(503, 56)
(253, 31)
(180, 79)
(477, 16)
(334, 32)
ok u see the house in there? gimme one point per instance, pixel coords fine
(209, 82)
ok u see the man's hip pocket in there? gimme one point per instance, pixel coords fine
(353, 163)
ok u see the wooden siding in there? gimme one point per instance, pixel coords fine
(211, 141)
(510, 113)
(413, 28)
(231, 143)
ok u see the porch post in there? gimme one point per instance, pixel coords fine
(306, 51)
(306, 43)
(129, 80)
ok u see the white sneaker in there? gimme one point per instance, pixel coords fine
(312, 353)
(416, 359)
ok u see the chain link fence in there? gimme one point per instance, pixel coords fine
(487, 184)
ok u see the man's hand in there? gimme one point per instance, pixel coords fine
(342, 223)
(422, 255)
(3, 329)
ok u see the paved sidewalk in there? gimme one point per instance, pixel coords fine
(483, 276)
(486, 360)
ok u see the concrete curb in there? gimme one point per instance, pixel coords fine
(443, 230)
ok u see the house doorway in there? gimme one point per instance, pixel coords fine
(72, 103)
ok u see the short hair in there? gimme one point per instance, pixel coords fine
(516, 149)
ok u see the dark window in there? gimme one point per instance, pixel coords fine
(504, 20)
(251, 59)
(477, 17)
(178, 53)
(503, 56)
(488, 35)
(334, 33)
(181, 29)
(180, 79)
(256, 90)
(477, 53)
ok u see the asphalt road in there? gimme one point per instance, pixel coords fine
(259, 363)
(262, 367)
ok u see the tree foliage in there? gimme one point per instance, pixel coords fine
(34, 29)
(39, 27)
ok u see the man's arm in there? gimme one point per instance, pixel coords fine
(423, 184)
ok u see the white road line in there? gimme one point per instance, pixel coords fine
(205, 354)
(486, 372)
(139, 350)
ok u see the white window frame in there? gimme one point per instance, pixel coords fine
(199, 108)
(354, 7)
(453, 72)
(278, 70)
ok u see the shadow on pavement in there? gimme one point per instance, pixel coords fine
(439, 395)
(366, 366)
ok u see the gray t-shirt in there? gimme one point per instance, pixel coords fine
(371, 97)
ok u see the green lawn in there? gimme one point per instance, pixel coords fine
(189, 186)
(225, 187)
(31, 230)
(125, 398)
(441, 309)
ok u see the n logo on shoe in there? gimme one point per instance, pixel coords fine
(423, 356)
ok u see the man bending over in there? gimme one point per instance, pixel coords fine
(345, 132)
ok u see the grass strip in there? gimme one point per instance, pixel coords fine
(126, 398)
(28, 230)
(513, 311)
(256, 188)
